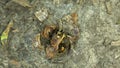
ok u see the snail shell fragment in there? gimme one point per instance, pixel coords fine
(58, 39)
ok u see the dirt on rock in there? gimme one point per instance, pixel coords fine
(98, 23)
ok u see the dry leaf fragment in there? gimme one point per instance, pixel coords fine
(24, 3)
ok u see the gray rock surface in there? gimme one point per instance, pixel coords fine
(97, 47)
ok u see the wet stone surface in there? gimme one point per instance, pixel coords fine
(97, 26)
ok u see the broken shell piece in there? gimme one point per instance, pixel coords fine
(72, 18)
(41, 14)
(67, 18)
(56, 41)
(47, 31)
(37, 42)
(60, 37)
(62, 48)
(50, 52)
